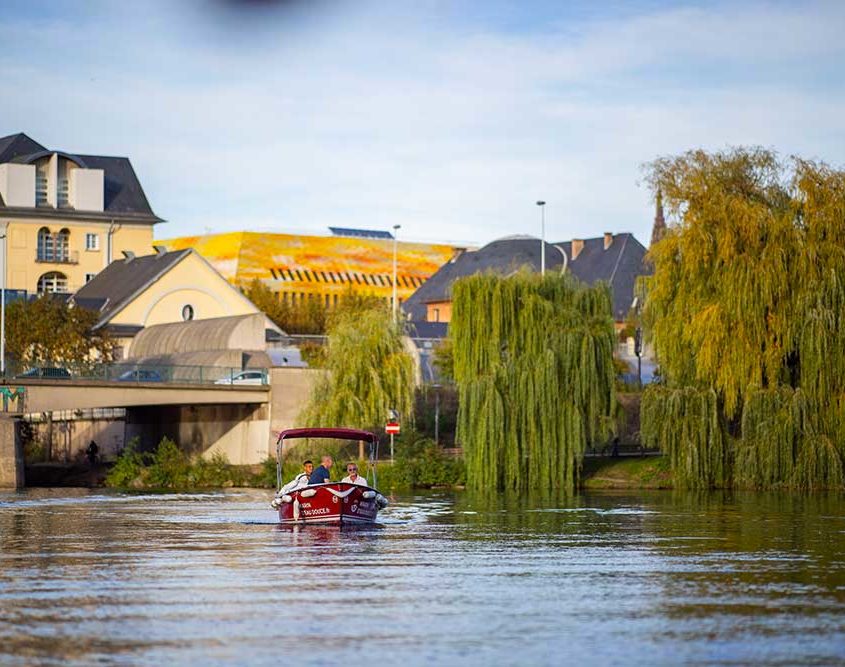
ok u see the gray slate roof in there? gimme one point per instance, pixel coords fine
(503, 256)
(421, 329)
(116, 285)
(619, 265)
(123, 199)
(16, 145)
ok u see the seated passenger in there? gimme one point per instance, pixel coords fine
(300, 480)
(321, 472)
(353, 477)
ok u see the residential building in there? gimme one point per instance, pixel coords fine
(299, 268)
(66, 215)
(614, 258)
(166, 287)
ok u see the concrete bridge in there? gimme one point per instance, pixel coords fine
(231, 419)
(237, 420)
(44, 395)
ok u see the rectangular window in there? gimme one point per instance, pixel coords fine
(89, 277)
(92, 241)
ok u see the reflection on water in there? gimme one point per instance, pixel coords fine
(210, 578)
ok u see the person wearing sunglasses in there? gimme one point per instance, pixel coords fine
(352, 476)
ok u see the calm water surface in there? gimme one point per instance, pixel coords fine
(206, 579)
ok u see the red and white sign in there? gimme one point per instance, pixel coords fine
(392, 428)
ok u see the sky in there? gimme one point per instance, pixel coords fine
(450, 118)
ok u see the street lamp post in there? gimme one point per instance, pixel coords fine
(394, 302)
(542, 206)
(3, 305)
(436, 388)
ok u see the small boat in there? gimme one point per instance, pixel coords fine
(332, 502)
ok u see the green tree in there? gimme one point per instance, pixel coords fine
(533, 361)
(48, 330)
(309, 317)
(746, 311)
(368, 372)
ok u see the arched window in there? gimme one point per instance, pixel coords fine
(187, 312)
(62, 250)
(52, 283)
(45, 251)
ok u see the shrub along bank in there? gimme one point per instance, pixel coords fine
(419, 465)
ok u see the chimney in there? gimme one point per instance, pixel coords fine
(161, 251)
(577, 247)
(129, 256)
(608, 240)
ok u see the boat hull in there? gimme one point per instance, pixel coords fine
(331, 503)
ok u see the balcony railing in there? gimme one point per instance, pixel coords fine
(69, 257)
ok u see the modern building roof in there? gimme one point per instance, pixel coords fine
(123, 196)
(361, 233)
(503, 256)
(618, 263)
(305, 264)
(116, 285)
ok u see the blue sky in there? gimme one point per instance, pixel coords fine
(450, 118)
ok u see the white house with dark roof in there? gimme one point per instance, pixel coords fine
(67, 215)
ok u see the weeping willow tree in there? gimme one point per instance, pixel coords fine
(368, 372)
(746, 312)
(534, 368)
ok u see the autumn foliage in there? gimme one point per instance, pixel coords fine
(746, 311)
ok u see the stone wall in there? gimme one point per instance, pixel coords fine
(11, 454)
(291, 391)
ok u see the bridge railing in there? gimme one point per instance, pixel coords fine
(144, 373)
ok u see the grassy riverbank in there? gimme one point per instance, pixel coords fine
(629, 472)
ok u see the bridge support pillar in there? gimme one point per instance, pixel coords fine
(11, 454)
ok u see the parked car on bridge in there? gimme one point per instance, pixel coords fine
(47, 373)
(245, 377)
(140, 375)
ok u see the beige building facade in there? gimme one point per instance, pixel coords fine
(65, 217)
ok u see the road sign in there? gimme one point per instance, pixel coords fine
(392, 428)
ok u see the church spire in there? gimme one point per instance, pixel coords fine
(659, 229)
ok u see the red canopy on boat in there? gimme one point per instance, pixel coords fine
(340, 433)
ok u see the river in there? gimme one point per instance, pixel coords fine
(89, 577)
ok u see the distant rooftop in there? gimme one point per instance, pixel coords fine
(360, 233)
(614, 258)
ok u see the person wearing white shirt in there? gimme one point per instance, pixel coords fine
(353, 477)
(300, 480)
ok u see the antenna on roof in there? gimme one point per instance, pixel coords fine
(161, 250)
(129, 255)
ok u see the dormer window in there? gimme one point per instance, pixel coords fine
(41, 170)
(62, 183)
